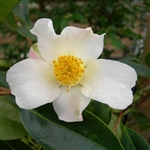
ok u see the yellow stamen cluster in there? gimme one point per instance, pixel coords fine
(68, 70)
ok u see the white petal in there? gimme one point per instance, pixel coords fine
(47, 38)
(109, 82)
(83, 43)
(74, 41)
(69, 105)
(33, 83)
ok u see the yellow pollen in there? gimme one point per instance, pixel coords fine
(68, 70)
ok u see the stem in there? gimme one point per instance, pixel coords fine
(118, 120)
(4, 91)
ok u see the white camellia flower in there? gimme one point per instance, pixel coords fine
(64, 69)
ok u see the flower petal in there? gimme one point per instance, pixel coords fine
(83, 43)
(69, 105)
(109, 82)
(47, 38)
(72, 41)
(34, 52)
(33, 83)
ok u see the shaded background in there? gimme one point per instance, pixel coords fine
(127, 28)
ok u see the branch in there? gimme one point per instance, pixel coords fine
(4, 91)
(118, 120)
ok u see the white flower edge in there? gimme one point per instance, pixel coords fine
(69, 105)
(33, 83)
(82, 43)
(109, 82)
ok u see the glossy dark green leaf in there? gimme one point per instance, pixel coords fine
(133, 141)
(44, 126)
(147, 59)
(22, 11)
(101, 110)
(14, 145)
(6, 6)
(140, 69)
(10, 124)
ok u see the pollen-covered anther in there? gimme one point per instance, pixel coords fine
(68, 70)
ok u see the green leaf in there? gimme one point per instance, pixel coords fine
(78, 17)
(6, 6)
(60, 23)
(11, 22)
(116, 42)
(101, 110)
(133, 141)
(112, 124)
(141, 120)
(23, 31)
(64, 23)
(140, 69)
(132, 59)
(147, 59)
(10, 124)
(14, 145)
(44, 126)
(4, 63)
(22, 11)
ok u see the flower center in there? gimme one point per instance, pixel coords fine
(68, 70)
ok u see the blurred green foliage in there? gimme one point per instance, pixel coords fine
(124, 23)
(116, 18)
